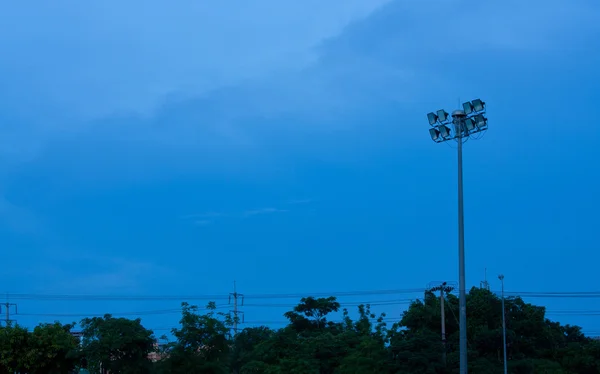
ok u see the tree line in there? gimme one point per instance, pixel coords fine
(315, 341)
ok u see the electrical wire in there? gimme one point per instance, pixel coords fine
(218, 307)
(67, 297)
(89, 297)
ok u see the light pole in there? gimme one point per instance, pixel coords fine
(501, 277)
(467, 123)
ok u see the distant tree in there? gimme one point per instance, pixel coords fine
(202, 344)
(248, 351)
(15, 349)
(312, 313)
(53, 349)
(534, 344)
(116, 345)
(313, 343)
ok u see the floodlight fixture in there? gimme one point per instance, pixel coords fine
(442, 115)
(432, 118)
(480, 121)
(444, 131)
(469, 120)
(468, 107)
(435, 135)
(478, 105)
(469, 124)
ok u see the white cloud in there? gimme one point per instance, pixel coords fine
(96, 57)
(204, 219)
(256, 212)
(238, 72)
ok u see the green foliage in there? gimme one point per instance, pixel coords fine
(202, 344)
(49, 349)
(320, 338)
(117, 345)
(15, 350)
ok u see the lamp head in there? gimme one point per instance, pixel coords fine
(444, 131)
(478, 105)
(432, 118)
(468, 107)
(442, 115)
(435, 134)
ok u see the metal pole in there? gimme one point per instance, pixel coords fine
(235, 309)
(443, 325)
(504, 327)
(459, 119)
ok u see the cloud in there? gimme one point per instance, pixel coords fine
(191, 102)
(203, 215)
(300, 201)
(105, 275)
(204, 219)
(100, 57)
(18, 219)
(250, 213)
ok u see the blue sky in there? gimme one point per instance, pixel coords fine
(149, 148)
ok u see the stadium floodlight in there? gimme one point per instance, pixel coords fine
(464, 123)
(432, 118)
(442, 115)
(478, 105)
(480, 121)
(468, 107)
(444, 131)
(469, 124)
(435, 135)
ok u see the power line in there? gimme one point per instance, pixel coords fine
(225, 306)
(91, 297)
(221, 306)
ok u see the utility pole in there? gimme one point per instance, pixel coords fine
(443, 287)
(501, 277)
(7, 306)
(238, 300)
(463, 125)
(443, 325)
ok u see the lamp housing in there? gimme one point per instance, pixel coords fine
(432, 118)
(435, 135)
(442, 115)
(468, 107)
(478, 105)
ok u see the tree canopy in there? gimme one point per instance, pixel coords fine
(320, 337)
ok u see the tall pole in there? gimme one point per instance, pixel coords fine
(466, 122)
(443, 325)
(7, 307)
(235, 309)
(459, 119)
(236, 312)
(501, 277)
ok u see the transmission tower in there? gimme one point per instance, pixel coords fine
(7, 307)
(238, 300)
(484, 284)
